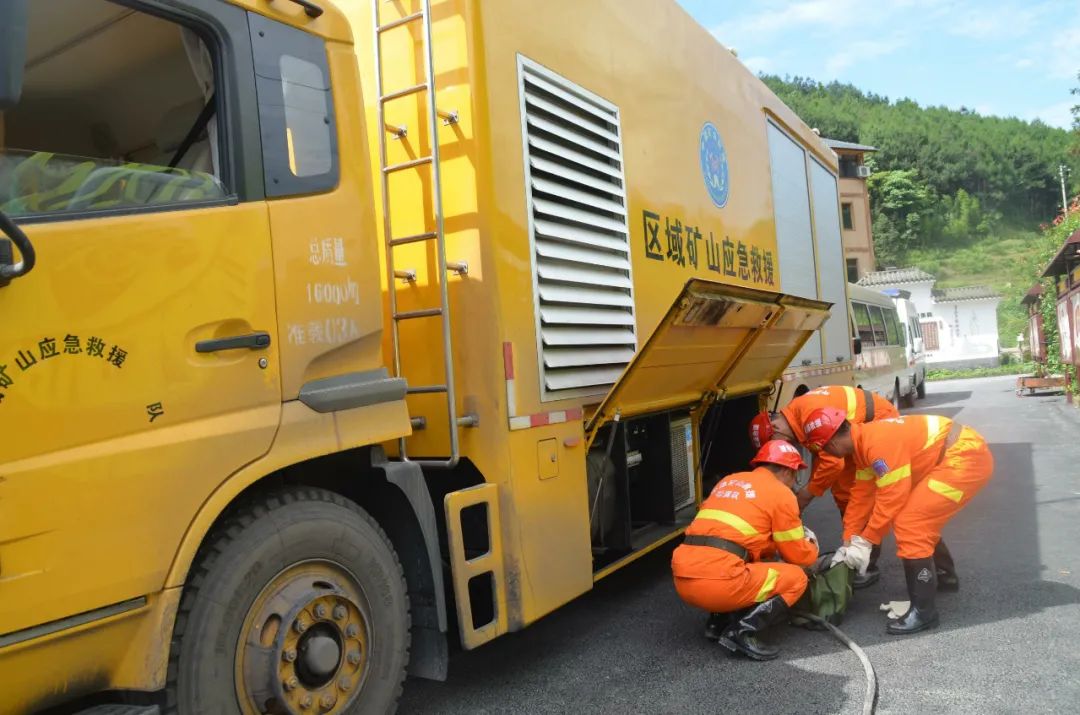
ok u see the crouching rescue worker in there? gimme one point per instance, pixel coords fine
(720, 567)
(828, 472)
(916, 472)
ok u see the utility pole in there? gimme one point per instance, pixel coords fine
(1064, 198)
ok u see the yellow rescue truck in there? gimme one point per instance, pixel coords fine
(331, 330)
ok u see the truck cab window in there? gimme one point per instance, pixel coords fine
(118, 111)
(305, 90)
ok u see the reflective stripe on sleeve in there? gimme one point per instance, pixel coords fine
(894, 476)
(726, 517)
(849, 393)
(789, 535)
(933, 429)
(865, 475)
(768, 586)
(945, 490)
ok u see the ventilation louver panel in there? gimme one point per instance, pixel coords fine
(580, 238)
(683, 491)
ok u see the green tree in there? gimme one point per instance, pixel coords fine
(903, 210)
(1075, 147)
(963, 219)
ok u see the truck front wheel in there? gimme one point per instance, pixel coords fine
(296, 604)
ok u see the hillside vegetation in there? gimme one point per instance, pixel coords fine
(955, 193)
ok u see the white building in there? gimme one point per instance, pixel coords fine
(959, 324)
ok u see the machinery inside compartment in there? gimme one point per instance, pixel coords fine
(641, 483)
(642, 473)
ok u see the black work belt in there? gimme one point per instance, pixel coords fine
(868, 399)
(717, 543)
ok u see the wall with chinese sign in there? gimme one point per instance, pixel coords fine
(668, 239)
(692, 145)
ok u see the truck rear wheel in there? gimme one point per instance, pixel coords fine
(297, 604)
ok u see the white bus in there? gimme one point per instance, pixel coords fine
(881, 361)
(915, 350)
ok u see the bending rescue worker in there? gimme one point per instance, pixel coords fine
(829, 472)
(747, 518)
(913, 474)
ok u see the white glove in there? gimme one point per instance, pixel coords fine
(856, 554)
(839, 556)
(895, 609)
(810, 536)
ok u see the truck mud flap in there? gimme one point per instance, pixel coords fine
(476, 561)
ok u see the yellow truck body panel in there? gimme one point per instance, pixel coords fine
(661, 102)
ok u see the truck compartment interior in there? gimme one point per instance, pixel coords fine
(725, 441)
(641, 475)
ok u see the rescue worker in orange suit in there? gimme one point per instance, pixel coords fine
(859, 406)
(917, 471)
(720, 566)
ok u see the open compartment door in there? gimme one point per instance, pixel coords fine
(715, 338)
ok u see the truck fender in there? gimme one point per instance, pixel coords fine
(423, 572)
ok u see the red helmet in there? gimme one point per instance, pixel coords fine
(821, 425)
(761, 429)
(777, 451)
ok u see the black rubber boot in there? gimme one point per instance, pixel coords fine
(947, 580)
(873, 573)
(741, 636)
(922, 588)
(716, 624)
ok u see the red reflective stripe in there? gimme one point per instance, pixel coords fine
(508, 360)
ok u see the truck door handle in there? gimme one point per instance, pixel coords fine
(253, 341)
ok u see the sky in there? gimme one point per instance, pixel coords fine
(999, 57)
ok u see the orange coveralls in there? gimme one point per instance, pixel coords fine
(912, 482)
(828, 471)
(756, 511)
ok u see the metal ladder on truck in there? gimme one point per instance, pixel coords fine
(442, 311)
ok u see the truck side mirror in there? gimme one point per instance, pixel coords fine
(14, 27)
(856, 346)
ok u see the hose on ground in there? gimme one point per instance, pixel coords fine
(870, 700)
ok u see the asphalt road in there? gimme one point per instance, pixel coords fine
(1009, 641)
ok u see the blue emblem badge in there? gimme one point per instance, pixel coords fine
(714, 167)
(880, 467)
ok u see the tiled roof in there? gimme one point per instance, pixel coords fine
(1033, 294)
(895, 276)
(835, 144)
(953, 295)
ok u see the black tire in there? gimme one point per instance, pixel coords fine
(907, 400)
(247, 552)
(920, 390)
(896, 395)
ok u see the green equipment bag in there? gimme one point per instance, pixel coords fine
(827, 595)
